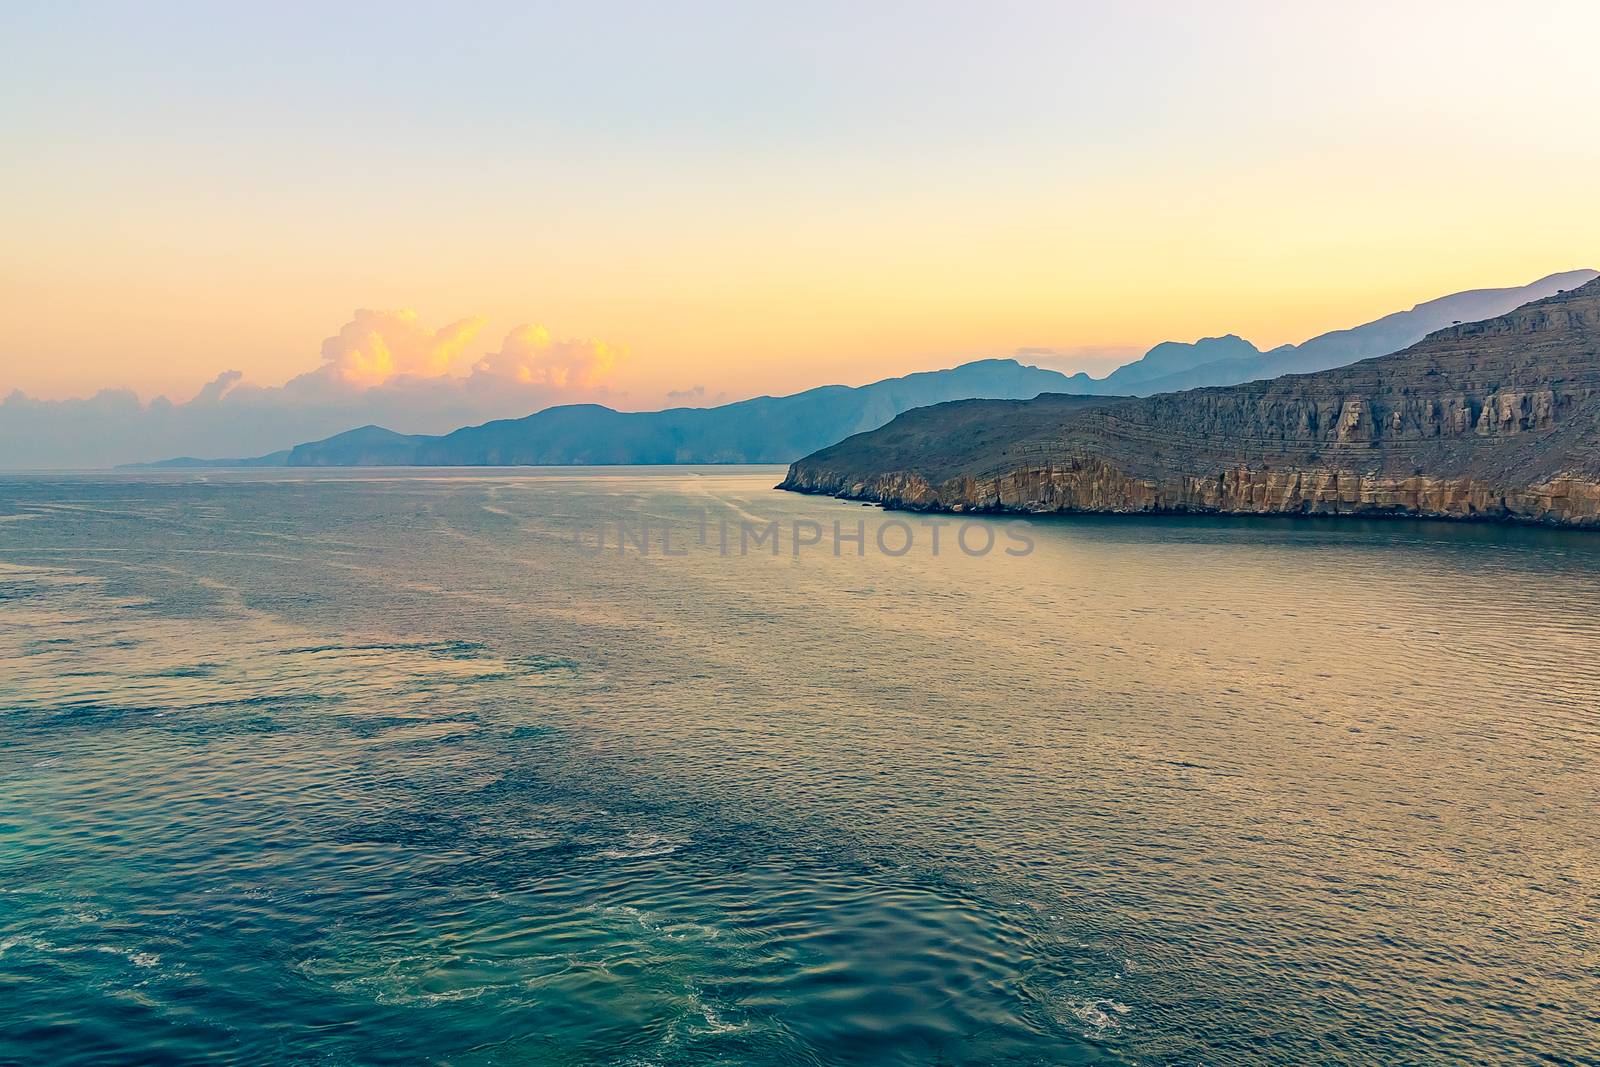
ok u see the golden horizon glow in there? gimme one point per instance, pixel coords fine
(1267, 173)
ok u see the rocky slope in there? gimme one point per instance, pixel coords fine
(1497, 419)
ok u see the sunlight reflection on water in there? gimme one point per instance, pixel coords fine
(381, 766)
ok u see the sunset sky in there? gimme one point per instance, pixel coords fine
(761, 198)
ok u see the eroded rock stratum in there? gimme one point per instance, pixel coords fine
(1497, 419)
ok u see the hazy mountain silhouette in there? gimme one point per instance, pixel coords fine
(1175, 357)
(765, 429)
(1337, 349)
(781, 429)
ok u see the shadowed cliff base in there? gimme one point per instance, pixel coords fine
(1493, 420)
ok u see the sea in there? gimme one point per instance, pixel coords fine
(663, 766)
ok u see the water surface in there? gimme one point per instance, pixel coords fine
(371, 767)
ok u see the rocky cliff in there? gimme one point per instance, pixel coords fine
(1497, 419)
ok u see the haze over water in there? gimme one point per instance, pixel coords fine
(378, 767)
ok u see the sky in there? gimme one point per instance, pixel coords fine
(682, 203)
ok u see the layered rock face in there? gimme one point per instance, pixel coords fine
(1497, 419)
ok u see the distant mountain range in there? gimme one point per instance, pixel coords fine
(766, 429)
(1498, 419)
(1231, 360)
(780, 429)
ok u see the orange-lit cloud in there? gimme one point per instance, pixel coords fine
(383, 367)
(530, 357)
(376, 346)
(386, 348)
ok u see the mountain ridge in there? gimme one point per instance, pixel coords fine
(1498, 419)
(762, 429)
(1338, 348)
(769, 429)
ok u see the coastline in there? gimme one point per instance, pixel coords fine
(1563, 503)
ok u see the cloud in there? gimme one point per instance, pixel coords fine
(384, 367)
(1095, 360)
(393, 348)
(696, 396)
(216, 388)
(527, 356)
(375, 346)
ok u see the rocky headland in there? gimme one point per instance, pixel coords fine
(1498, 419)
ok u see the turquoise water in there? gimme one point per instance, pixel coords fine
(373, 767)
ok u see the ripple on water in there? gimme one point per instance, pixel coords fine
(1168, 792)
(285, 859)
